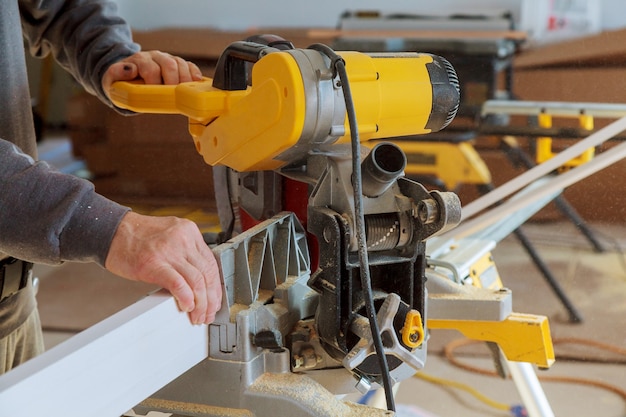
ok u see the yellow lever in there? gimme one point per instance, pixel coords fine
(413, 330)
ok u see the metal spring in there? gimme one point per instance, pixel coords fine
(383, 231)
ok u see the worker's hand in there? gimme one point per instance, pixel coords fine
(171, 253)
(153, 67)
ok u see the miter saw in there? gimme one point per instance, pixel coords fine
(323, 254)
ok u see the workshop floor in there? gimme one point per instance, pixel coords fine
(73, 297)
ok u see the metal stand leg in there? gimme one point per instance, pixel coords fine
(574, 315)
(530, 389)
(566, 208)
(516, 154)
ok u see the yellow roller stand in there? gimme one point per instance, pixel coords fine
(544, 143)
(522, 337)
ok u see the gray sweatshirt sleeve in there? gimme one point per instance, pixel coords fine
(46, 216)
(61, 212)
(84, 36)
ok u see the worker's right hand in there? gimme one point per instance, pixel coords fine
(153, 67)
(171, 253)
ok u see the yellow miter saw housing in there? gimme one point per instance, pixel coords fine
(290, 102)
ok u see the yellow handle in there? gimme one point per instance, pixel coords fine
(143, 98)
(198, 100)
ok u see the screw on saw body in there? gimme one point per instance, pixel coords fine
(307, 359)
(427, 211)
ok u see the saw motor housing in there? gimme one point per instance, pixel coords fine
(294, 104)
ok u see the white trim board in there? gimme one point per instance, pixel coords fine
(110, 367)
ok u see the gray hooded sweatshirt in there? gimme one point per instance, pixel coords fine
(45, 216)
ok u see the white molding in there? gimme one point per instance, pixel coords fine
(110, 367)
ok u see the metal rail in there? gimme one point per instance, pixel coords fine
(554, 108)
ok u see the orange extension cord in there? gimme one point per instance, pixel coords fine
(451, 347)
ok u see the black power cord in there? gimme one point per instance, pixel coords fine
(338, 65)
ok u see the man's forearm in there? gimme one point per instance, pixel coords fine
(50, 217)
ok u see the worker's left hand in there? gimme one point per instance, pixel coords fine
(171, 253)
(153, 67)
